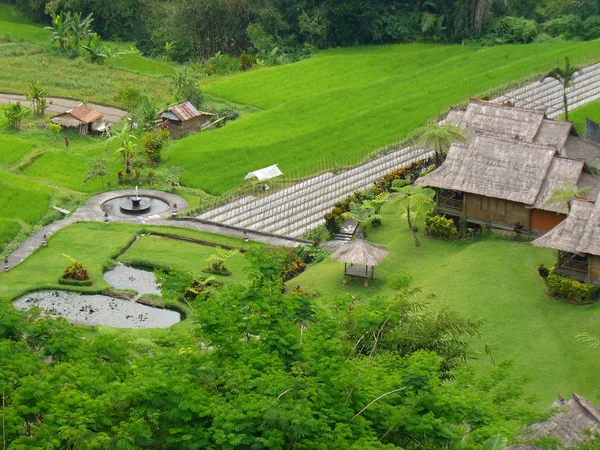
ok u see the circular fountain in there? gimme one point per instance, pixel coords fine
(136, 205)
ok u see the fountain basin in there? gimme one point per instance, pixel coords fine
(125, 207)
(98, 310)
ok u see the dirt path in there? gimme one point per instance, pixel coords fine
(58, 105)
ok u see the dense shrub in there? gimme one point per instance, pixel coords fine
(440, 226)
(247, 61)
(516, 29)
(591, 28)
(567, 27)
(570, 289)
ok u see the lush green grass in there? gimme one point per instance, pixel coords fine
(69, 169)
(577, 116)
(95, 245)
(22, 198)
(343, 104)
(493, 280)
(141, 64)
(8, 230)
(12, 149)
(76, 78)
(180, 255)
(14, 26)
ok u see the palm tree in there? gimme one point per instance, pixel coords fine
(414, 201)
(438, 138)
(562, 197)
(565, 77)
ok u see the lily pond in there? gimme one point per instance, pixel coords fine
(104, 310)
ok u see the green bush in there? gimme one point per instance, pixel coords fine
(568, 27)
(570, 289)
(440, 226)
(591, 28)
(516, 29)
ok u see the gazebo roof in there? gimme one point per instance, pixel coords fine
(361, 252)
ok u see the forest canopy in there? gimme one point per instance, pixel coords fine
(199, 29)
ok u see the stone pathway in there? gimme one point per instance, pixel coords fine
(301, 207)
(92, 212)
(58, 105)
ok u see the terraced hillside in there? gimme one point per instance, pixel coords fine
(344, 104)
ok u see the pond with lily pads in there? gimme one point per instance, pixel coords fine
(104, 310)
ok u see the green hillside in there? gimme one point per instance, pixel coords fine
(344, 104)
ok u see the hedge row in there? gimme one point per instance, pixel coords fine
(570, 289)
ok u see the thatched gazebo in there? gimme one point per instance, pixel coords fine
(360, 257)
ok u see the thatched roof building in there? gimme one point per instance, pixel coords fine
(577, 240)
(184, 118)
(83, 117)
(572, 418)
(362, 256)
(515, 159)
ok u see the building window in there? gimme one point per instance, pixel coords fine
(484, 204)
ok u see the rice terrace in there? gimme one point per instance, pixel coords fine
(322, 225)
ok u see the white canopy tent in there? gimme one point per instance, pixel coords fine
(265, 174)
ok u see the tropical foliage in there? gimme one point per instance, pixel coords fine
(414, 202)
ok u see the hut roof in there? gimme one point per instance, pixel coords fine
(509, 121)
(182, 112)
(361, 252)
(494, 167)
(584, 149)
(568, 424)
(561, 170)
(578, 233)
(79, 115)
(523, 124)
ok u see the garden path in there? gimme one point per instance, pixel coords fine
(92, 212)
(58, 105)
(301, 207)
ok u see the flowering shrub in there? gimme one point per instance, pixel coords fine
(440, 226)
(75, 271)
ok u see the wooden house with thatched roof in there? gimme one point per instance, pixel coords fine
(83, 117)
(360, 257)
(184, 118)
(568, 425)
(577, 240)
(514, 160)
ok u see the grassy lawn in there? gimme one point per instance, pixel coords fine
(22, 198)
(180, 255)
(344, 104)
(97, 244)
(8, 230)
(577, 116)
(12, 149)
(493, 280)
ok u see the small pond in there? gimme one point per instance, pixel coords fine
(125, 277)
(98, 310)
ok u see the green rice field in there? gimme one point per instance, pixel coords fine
(344, 104)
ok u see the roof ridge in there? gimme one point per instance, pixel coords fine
(504, 105)
(585, 404)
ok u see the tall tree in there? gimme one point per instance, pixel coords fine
(565, 78)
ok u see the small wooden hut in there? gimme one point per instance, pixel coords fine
(184, 119)
(83, 117)
(568, 425)
(360, 257)
(515, 159)
(577, 240)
